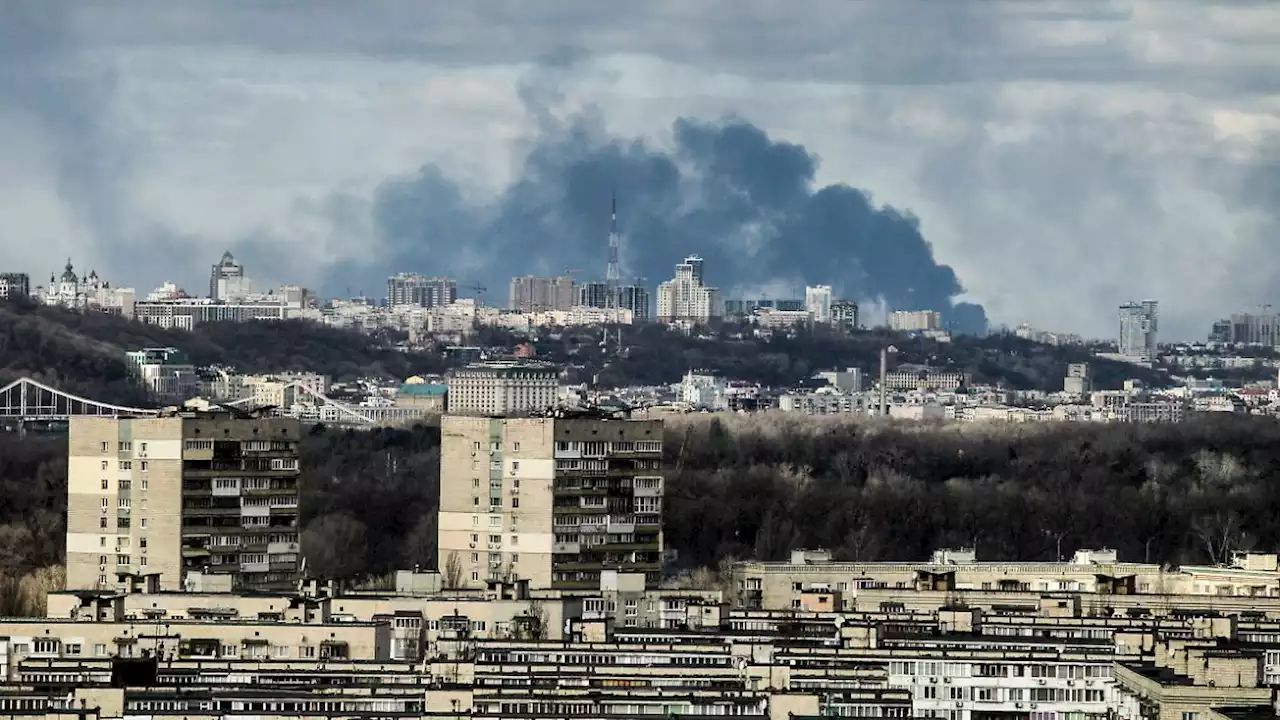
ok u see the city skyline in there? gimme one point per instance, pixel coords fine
(1087, 135)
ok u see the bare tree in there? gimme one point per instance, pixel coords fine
(453, 571)
(1219, 534)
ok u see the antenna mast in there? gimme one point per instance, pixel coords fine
(612, 275)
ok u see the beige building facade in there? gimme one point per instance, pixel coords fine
(160, 496)
(555, 500)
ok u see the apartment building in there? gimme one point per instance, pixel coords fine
(921, 377)
(532, 293)
(555, 500)
(844, 315)
(497, 389)
(186, 491)
(1139, 328)
(412, 289)
(685, 298)
(915, 320)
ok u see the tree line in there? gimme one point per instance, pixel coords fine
(759, 486)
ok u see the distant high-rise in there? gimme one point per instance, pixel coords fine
(594, 294)
(685, 298)
(412, 289)
(636, 299)
(227, 281)
(817, 300)
(915, 320)
(532, 293)
(1138, 327)
(844, 314)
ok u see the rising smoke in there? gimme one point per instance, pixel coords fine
(725, 190)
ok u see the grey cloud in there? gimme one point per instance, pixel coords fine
(869, 42)
(721, 182)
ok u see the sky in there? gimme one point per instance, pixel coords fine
(1033, 161)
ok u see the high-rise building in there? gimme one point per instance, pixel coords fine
(503, 389)
(532, 293)
(594, 294)
(227, 281)
(636, 299)
(844, 314)
(915, 320)
(1139, 323)
(184, 492)
(14, 285)
(817, 300)
(1254, 329)
(552, 500)
(412, 289)
(685, 298)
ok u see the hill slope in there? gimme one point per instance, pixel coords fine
(84, 352)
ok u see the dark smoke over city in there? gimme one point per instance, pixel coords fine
(744, 201)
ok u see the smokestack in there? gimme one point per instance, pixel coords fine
(884, 375)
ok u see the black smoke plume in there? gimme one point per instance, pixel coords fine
(745, 202)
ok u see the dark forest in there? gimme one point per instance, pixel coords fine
(758, 486)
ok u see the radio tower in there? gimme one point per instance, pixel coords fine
(611, 274)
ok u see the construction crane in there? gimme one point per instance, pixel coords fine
(479, 290)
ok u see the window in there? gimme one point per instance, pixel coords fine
(102, 559)
(99, 650)
(515, 465)
(475, 501)
(515, 539)
(475, 557)
(105, 504)
(475, 576)
(105, 465)
(126, 464)
(144, 524)
(102, 541)
(306, 651)
(102, 523)
(71, 649)
(144, 481)
(143, 561)
(142, 543)
(515, 502)
(475, 482)
(515, 446)
(515, 558)
(123, 502)
(122, 559)
(105, 484)
(144, 465)
(106, 446)
(142, 447)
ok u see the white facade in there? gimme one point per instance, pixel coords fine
(915, 320)
(1138, 327)
(817, 300)
(956, 688)
(502, 389)
(227, 281)
(684, 297)
(165, 373)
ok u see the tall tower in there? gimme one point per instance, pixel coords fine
(612, 274)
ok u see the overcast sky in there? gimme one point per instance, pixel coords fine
(1060, 157)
